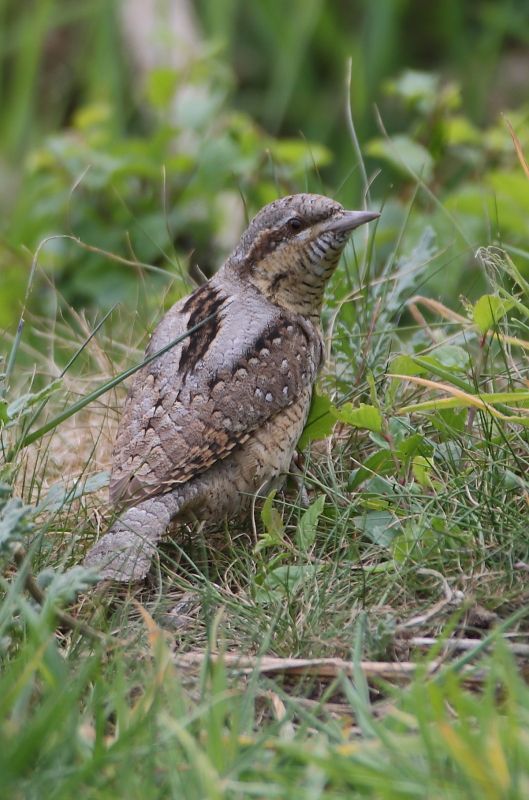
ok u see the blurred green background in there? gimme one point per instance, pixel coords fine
(150, 130)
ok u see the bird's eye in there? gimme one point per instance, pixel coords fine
(295, 224)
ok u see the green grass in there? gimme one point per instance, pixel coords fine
(413, 551)
(408, 571)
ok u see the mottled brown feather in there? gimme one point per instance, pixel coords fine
(215, 420)
(188, 421)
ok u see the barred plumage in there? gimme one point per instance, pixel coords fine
(217, 418)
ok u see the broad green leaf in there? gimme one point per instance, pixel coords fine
(321, 420)
(422, 468)
(488, 311)
(380, 527)
(399, 429)
(379, 463)
(408, 447)
(161, 86)
(300, 154)
(404, 155)
(308, 524)
(415, 87)
(406, 365)
(273, 524)
(459, 130)
(446, 356)
(449, 421)
(95, 115)
(449, 356)
(412, 541)
(362, 416)
(286, 580)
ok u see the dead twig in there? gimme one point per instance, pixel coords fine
(394, 672)
(463, 645)
(450, 598)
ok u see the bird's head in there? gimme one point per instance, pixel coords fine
(292, 247)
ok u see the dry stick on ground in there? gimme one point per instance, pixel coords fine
(450, 598)
(463, 645)
(397, 673)
(317, 667)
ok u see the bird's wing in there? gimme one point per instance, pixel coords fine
(191, 406)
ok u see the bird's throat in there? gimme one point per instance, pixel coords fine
(294, 281)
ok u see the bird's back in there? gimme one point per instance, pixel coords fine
(189, 408)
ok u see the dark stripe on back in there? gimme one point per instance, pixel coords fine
(205, 302)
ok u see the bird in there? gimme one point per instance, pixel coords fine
(215, 419)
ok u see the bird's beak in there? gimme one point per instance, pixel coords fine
(350, 220)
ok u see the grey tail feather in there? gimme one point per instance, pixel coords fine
(125, 553)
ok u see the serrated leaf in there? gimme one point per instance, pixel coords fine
(488, 311)
(24, 403)
(321, 420)
(63, 587)
(59, 494)
(361, 416)
(410, 268)
(308, 524)
(15, 522)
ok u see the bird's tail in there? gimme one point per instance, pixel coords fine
(125, 553)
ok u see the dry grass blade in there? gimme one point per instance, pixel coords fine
(438, 308)
(518, 148)
(103, 389)
(464, 399)
(452, 316)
